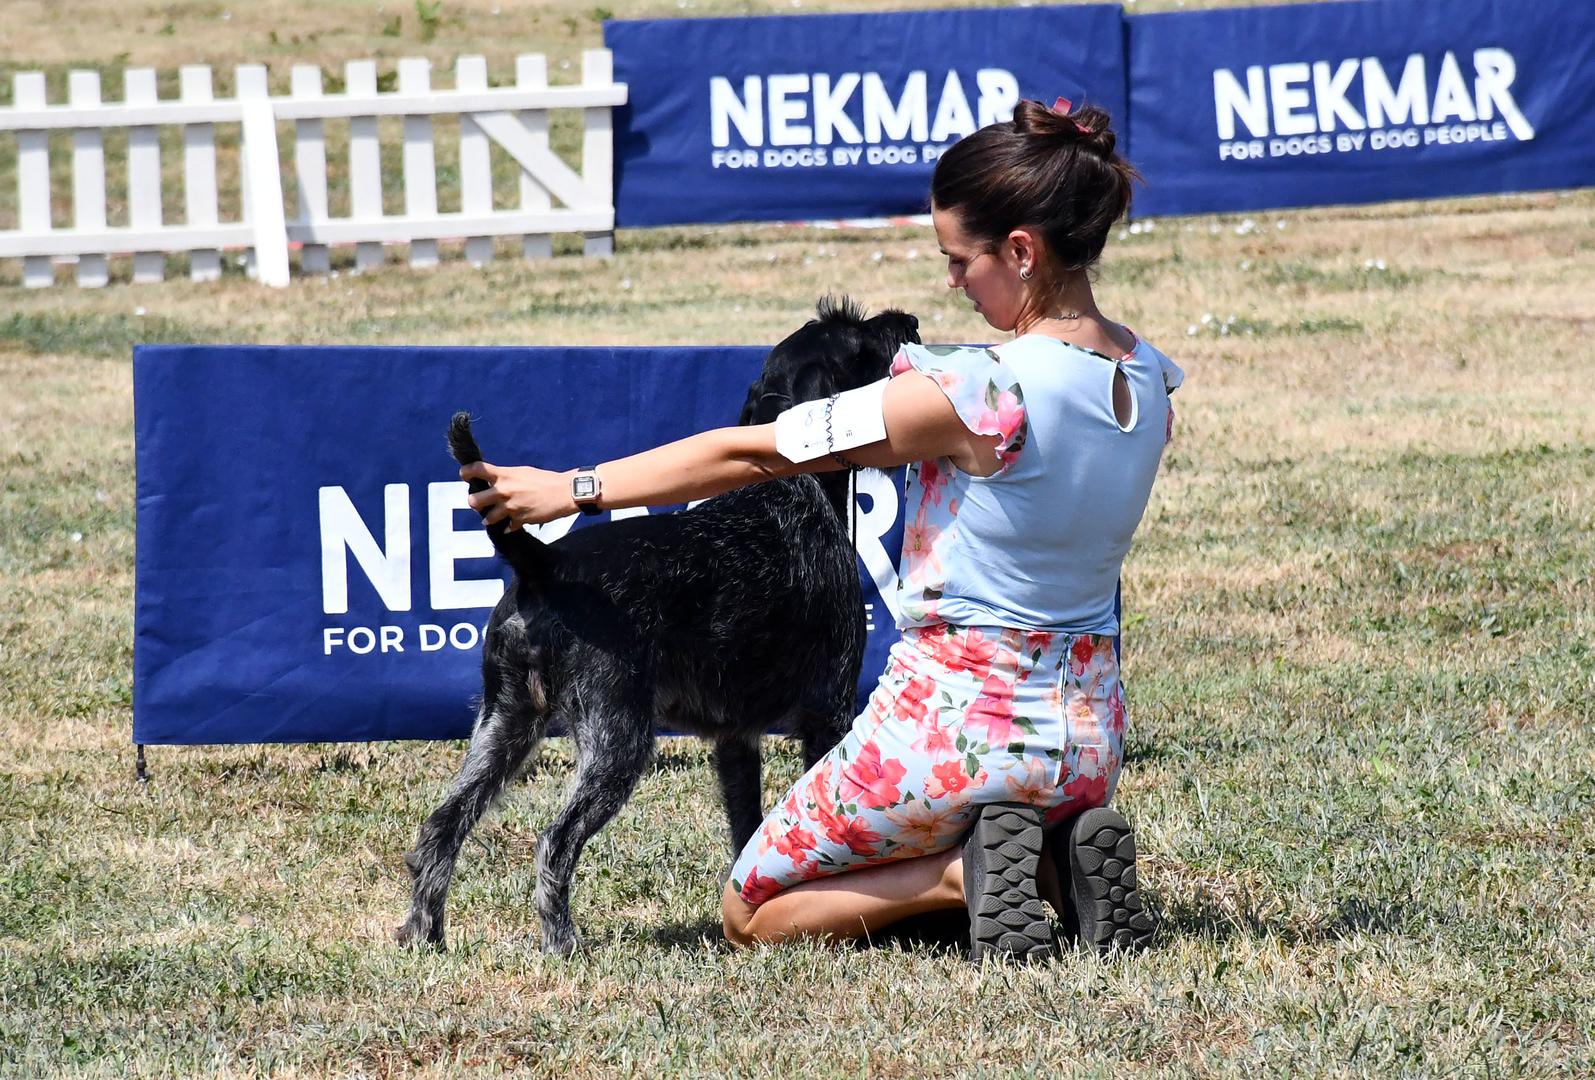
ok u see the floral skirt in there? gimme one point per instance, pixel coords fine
(962, 716)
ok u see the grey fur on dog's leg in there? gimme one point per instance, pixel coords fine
(739, 765)
(499, 745)
(606, 775)
(419, 927)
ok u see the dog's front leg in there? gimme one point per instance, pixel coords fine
(740, 765)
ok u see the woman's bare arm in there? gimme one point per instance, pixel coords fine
(920, 424)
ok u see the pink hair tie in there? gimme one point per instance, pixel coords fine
(1061, 106)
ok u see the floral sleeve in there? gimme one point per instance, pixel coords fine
(983, 390)
(1173, 374)
(1173, 377)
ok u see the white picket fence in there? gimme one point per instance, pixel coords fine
(515, 118)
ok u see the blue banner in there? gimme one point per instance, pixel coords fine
(1316, 104)
(828, 116)
(307, 567)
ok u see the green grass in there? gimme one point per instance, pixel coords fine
(98, 335)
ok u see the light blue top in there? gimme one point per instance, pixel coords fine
(1039, 544)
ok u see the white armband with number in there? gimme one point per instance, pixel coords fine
(849, 420)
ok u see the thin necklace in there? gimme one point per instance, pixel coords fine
(1062, 316)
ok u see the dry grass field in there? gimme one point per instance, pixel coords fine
(1361, 616)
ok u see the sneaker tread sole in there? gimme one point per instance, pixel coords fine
(1007, 917)
(1107, 905)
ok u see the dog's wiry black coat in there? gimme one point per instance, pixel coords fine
(722, 620)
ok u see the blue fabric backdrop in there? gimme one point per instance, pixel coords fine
(779, 117)
(1315, 104)
(301, 575)
(1228, 109)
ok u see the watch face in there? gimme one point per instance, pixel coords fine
(584, 487)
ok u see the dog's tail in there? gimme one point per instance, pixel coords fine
(523, 551)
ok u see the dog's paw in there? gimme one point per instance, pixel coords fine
(412, 935)
(566, 946)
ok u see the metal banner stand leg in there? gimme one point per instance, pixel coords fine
(141, 775)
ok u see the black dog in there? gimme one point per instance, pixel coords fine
(722, 620)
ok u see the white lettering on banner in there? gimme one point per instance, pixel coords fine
(1451, 134)
(343, 531)
(1451, 100)
(430, 637)
(1497, 71)
(1407, 103)
(808, 113)
(746, 112)
(903, 119)
(1293, 108)
(953, 118)
(786, 109)
(387, 567)
(1292, 103)
(446, 546)
(830, 103)
(1249, 103)
(735, 159)
(550, 531)
(1330, 91)
(999, 93)
(873, 525)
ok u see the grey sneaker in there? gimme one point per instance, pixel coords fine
(1006, 917)
(1101, 882)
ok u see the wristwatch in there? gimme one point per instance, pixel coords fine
(585, 487)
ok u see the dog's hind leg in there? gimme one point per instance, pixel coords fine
(739, 764)
(612, 752)
(502, 740)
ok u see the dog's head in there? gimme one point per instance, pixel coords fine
(836, 351)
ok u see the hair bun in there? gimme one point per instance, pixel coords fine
(1090, 126)
(1054, 170)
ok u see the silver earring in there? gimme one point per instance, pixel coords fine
(1024, 273)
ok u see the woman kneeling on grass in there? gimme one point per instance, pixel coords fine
(999, 721)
